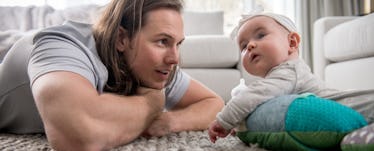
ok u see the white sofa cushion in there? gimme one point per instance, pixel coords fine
(354, 74)
(36, 17)
(209, 51)
(203, 23)
(343, 43)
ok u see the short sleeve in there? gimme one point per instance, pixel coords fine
(176, 88)
(53, 53)
(69, 47)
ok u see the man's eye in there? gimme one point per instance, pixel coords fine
(163, 42)
(179, 44)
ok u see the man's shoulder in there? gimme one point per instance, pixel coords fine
(70, 30)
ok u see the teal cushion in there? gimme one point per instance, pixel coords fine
(300, 122)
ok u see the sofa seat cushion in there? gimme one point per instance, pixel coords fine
(351, 40)
(209, 51)
(356, 74)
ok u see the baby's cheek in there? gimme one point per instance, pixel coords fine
(245, 62)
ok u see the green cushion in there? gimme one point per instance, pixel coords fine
(300, 122)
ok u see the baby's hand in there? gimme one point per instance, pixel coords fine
(216, 130)
(240, 87)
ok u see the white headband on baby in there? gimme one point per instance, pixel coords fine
(259, 11)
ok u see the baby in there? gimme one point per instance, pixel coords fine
(269, 45)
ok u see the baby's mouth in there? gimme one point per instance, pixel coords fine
(253, 57)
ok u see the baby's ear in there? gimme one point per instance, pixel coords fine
(294, 41)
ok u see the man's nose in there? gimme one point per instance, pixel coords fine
(172, 56)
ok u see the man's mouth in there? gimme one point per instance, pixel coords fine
(164, 72)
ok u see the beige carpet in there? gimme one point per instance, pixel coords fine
(183, 141)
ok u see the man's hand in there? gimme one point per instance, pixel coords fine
(216, 130)
(160, 126)
(155, 97)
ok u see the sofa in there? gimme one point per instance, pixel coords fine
(343, 51)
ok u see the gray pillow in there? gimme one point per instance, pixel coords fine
(359, 140)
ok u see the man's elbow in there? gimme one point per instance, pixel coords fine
(220, 103)
(90, 139)
(62, 143)
(60, 146)
(76, 141)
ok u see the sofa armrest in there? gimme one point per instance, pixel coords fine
(321, 27)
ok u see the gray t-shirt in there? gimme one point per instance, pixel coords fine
(70, 47)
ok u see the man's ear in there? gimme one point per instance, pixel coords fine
(294, 41)
(123, 40)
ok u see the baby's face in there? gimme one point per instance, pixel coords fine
(264, 44)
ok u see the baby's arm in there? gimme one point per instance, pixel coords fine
(278, 82)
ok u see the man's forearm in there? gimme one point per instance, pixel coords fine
(103, 124)
(86, 120)
(197, 116)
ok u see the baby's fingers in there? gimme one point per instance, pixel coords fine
(233, 132)
(212, 135)
(213, 139)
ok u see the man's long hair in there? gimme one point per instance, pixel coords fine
(131, 15)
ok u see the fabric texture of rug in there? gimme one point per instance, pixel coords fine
(183, 141)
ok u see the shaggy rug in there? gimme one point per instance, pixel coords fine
(183, 141)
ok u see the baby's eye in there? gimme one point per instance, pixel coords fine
(243, 47)
(242, 44)
(260, 35)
